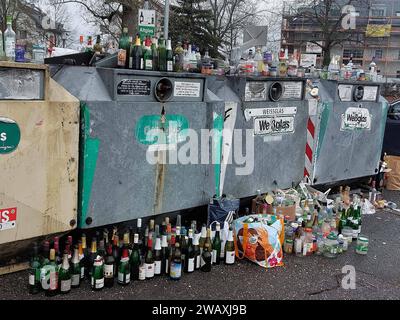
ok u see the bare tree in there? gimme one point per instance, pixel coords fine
(327, 17)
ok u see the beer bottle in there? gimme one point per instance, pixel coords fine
(196, 249)
(230, 249)
(149, 260)
(170, 57)
(176, 264)
(157, 257)
(53, 275)
(64, 275)
(97, 274)
(34, 272)
(162, 55)
(189, 265)
(115, 253)
(92, 256)
(109, 264)
(124, 269)
(202, 238)
(206, 258)
(135, 259)
(75, 268)
(164, 255)
(216, 254)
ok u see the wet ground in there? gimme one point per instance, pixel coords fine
(377, 275)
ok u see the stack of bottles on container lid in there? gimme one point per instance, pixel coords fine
(326, 230)
(157, 55)
(136, 254)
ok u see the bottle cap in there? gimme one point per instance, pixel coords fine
(139, 223)
(164, 243)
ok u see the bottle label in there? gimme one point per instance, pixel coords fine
(198, 262)
(99, 283)
(130, 62)
(176, 270)
(121, 57)
(149, 64)
(230, 257)
(214, 256)
(167, 266)
(141, 64)
(75, 278)
(32, 279)
(149, 270)
(82, 272)
(170, 66)
(190, 267)
(53, 280)
(43, 279)
(108, 270)
(157, 267)
(65, 285)
(121, 277)
(222, 254)
(142, 273)
(10, 47)
(297, 246)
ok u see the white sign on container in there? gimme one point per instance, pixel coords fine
(313, 48)
(187, 89)
(356, 119)
(307, 60)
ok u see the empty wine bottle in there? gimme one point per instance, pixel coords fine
(149, 260)
(135, 259)
(216, 254)
(190, 262)
(75, 268)
(157, 257)
(164, 255)
(97, 274)
(230, 249)
(206, 258)
(109, 267)
(196, 249)
(64, 275)
(124, 269)
(52, 288)
(34, 272)
(176, 264)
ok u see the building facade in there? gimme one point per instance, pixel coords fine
(376, 34)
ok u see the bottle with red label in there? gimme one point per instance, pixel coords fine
(52, 275)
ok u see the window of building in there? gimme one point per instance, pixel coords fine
(398, 74)
(398, 14)
(379, 53)
(356, 53)
(377, 12)
(399, 55)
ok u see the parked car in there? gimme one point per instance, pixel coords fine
(391, 143)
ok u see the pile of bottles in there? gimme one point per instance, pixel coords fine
(324, 230)
(157, 55)
(135, 255)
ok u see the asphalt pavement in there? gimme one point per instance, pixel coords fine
(315, 277)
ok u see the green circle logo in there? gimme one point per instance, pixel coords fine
(10, 135)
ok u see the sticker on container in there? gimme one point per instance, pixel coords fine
(10, 135)
(134, 87)
(187, 89)
(345, 92)
(256, 91)
(370, 93)
(8, 218)
(292, 90)
(266, 112)
(273, 125)
(356, 119)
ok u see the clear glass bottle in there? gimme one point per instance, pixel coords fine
(9, 40)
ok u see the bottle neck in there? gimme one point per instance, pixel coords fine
(75, 258)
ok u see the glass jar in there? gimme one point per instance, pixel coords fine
(38, 54)
(343, 242)
(362, 245)
(19, 53)
(308, 242)
(347, 233)
(288, 246)
(331, 246)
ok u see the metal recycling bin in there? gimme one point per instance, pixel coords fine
(123, 173)
(39, 154)
(265, 122)
(345, 131)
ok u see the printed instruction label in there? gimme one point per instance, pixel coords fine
(134, 87)
(187, 89)
(255, 91)
(292, 90)
(8, 218)
(370, 93)
(356, 119)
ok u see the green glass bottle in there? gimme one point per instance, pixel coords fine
(44, 261)
(76, 270)
(97, 274)
(216, 254)
(137, 55)
(134, 259)
(196, 248)
(123, 52)
(230, 249)
(92, 256)
(34, 272)
(164, 255)
(52, 268)
(149, 260)
(169, 57)
(124, 269)
(154, 52)
(64, 275)
(148, 56)
(162, 55)
(206, 258)
(109, 264)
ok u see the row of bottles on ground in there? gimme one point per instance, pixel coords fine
(136, 255)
